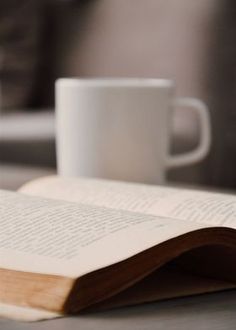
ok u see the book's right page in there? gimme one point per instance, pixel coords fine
(216, 209)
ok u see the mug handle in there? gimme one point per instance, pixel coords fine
(203, 147)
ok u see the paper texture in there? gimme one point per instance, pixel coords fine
(71, 239)
(189, 205)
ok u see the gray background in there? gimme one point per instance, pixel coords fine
(211, 311)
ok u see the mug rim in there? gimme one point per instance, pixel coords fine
(116, 82)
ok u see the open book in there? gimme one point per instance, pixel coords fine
(75, 244)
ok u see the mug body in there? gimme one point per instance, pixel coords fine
(113, 128)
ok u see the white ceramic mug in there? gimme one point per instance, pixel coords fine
(121, 128)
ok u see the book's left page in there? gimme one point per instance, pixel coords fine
(68, 239)
(28, 314)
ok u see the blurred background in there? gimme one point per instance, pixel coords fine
(192, 42)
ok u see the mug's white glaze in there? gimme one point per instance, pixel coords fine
(114, 128)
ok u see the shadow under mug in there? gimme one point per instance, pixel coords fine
(121, 128)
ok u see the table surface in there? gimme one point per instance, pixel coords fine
(210, 311)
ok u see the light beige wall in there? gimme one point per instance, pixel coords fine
(155, 38)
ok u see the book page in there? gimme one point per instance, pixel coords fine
(69, 239)
(26, 313)
(189, 205)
